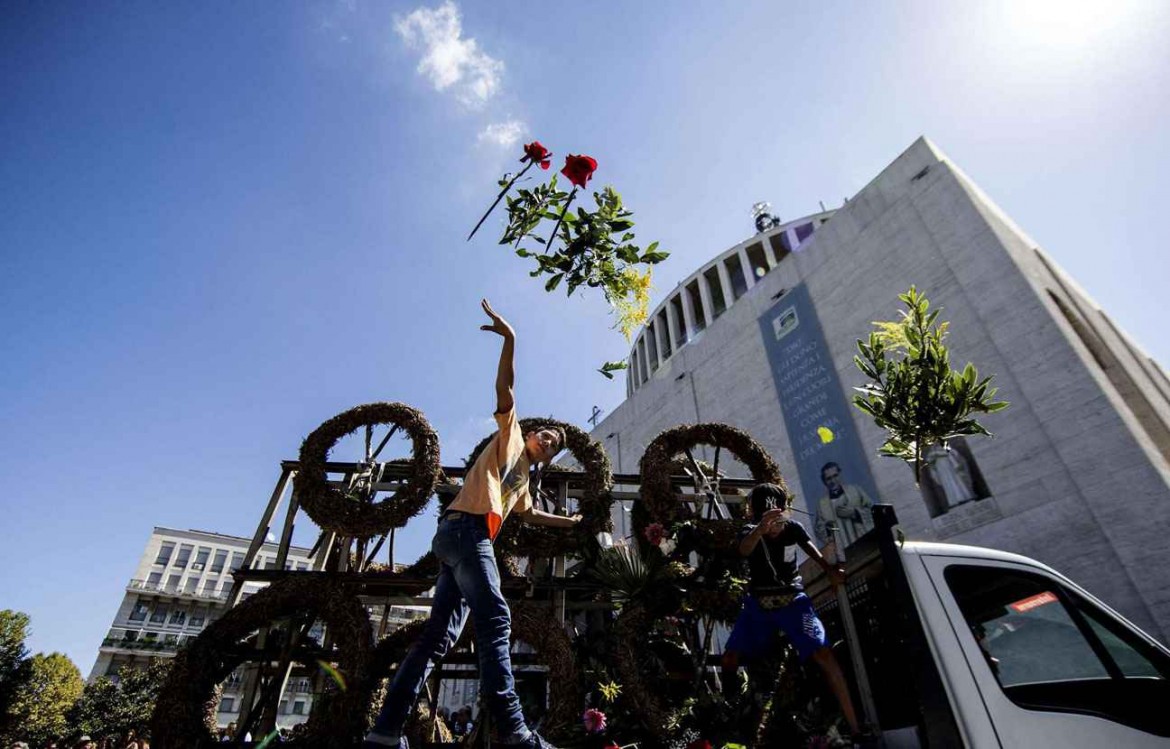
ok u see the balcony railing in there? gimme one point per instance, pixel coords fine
(171, 591)
(123, 643)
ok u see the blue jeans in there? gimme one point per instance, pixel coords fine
(468, 580)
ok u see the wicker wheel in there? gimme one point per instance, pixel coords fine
(661, 502)
(520, 539)
(331, 508)
(185, 712)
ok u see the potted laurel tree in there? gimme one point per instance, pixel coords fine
(913, 393)
(597, 248)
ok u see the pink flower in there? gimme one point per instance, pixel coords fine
(594, 721)
(654, 533)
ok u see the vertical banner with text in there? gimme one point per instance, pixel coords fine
(835, 480)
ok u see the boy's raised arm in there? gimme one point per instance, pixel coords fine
(506, 375)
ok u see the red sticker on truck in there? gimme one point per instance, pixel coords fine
(1025, 605)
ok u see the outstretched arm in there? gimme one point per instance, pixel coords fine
(836, 573)
(534, 516)
(506, 374)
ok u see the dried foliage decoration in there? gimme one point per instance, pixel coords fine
(657, 463)
(329, 506)
(185, 714)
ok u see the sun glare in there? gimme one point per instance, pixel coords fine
(1064, 23)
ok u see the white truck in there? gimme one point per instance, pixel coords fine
(968, 647)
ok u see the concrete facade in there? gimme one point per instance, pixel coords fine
(1077, 475)
(181, 585)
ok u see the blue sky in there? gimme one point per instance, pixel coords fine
(223, 223)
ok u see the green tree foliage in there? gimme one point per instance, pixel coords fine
(13, 658)
(913, 393)
(107, 707)
(40, 702)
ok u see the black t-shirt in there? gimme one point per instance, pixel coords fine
(773, 561)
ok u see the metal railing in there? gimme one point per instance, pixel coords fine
(173, 591)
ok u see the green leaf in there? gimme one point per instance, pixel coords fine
(552, 282)
(654, 257)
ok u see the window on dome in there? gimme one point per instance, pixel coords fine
(758, 260)
(718, 301)
(735, 271)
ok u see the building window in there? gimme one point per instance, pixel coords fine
(173, 583)
(227, 705)
(191, 585)
(153, 580)
(220, 561)
(171, 639)
(758, 260)
(178, 616)
(299, 707)
(201, 558)
(139, 613)
(164, 553)
(951, 477)
(735, 271)
(803, 232)
(652, 348)
(695, 298)
(680, 320)
(237, 561)
(664, 326)
(197, 618)
(184, 555)
(780, 246)
(160, 614)
(718, 302)
(302, 566)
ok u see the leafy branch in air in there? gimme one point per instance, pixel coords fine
(592, 248)
(913, 393)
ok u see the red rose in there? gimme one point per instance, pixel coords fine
(537, 153)
(654, 533)
(579, 169)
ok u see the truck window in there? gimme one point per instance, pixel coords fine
(1052, 650)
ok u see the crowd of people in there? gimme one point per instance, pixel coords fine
(129, 740)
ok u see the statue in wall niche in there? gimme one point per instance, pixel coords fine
(949, 471)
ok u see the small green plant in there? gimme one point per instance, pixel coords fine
(914, 395)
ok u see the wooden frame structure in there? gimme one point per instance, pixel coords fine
(345, 561)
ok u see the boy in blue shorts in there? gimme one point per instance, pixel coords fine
(776, 598)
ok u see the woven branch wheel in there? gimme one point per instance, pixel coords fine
(522, 539)
(185, 711)
(629, 631)
(661, 503)
(331, 509)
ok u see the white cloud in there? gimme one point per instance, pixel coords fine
(503, 133)
(449, 60)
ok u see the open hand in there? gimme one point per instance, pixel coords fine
(499, 325)
(773, 520)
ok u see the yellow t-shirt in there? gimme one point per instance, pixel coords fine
(498, 481)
